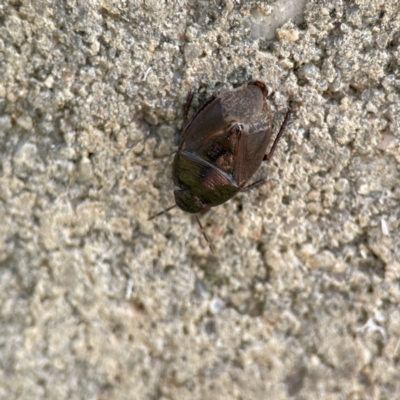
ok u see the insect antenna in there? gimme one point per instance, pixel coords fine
(205, 235)
(161, 212)
(186, 109)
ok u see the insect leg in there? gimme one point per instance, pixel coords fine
(161, 212)
(205, 235)
(268, 156)
(186, 108)
(254, 185)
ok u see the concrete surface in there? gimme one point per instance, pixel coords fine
(97, 302)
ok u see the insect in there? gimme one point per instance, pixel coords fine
(222, 146)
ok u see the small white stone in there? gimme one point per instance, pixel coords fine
(25, 156)
(291, 35)
(49, 81)
(387, 142)
(85, 170)
(3, 91)
(385, 229)
(5, 123)
(216, 305)
(25, 122)
(363, 187)
(342, 185)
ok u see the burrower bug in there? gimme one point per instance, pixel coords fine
(222, 146)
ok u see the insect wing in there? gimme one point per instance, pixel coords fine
(248, 106)
(249, 155)
(205, 124)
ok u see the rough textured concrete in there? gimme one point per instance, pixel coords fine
(97, 302)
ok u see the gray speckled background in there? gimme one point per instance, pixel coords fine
(97, 302)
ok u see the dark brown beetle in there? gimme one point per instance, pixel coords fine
(222, 146)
